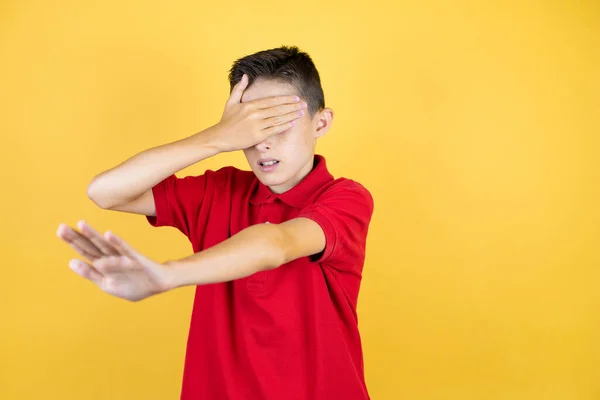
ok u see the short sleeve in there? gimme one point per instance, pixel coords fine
(344, 213)
(178, 201)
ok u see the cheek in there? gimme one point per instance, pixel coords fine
(296, 137)
(284, 137)
(249, 155)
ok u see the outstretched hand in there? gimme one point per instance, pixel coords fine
(113, 265)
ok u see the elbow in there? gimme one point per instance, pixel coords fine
(268, 245)
(278, 253)
(94, 193)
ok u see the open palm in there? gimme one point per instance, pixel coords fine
(113, 265)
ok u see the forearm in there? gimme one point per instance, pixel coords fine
(257, 248)
(130, 179)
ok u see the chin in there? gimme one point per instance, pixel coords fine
(270, 179)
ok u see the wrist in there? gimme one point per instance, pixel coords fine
(173, 277)
(210, 138)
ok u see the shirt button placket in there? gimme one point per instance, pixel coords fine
(263, 210)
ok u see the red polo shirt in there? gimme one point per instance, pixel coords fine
(287, 333)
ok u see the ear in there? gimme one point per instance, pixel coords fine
(322, 122)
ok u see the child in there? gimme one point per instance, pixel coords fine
(278, 251)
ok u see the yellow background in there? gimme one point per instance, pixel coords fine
(474, 124)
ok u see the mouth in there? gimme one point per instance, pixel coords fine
(268, 164)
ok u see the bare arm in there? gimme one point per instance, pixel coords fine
(128, 186)
(254, 249)
(121, 271)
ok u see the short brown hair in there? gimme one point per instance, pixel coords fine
(286, 64)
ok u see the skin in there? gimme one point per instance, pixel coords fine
(263, 121)
(294, 148)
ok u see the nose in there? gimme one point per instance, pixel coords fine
(264, 145)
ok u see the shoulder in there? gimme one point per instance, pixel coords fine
(224, 175)
(233, 177)
(343, 209)
(222, 180)
(344, 190)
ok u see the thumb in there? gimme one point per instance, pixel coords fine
(238, 90)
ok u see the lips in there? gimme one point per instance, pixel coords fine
(267, 162)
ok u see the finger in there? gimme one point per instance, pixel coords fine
(281, 119)
(121, 246)
(86, 271)
(73, 237)
(273, 101)
(96, 238)
(238, 90)
(274, 130)
(280, 110)
(82, 252)
(114, 264)
(65, 235)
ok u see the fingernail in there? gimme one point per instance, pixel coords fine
(300, 112)
(296, 98)
(303, 105)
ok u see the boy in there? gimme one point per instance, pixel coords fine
(278, 251)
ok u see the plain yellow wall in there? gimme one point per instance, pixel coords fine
(474, 124)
